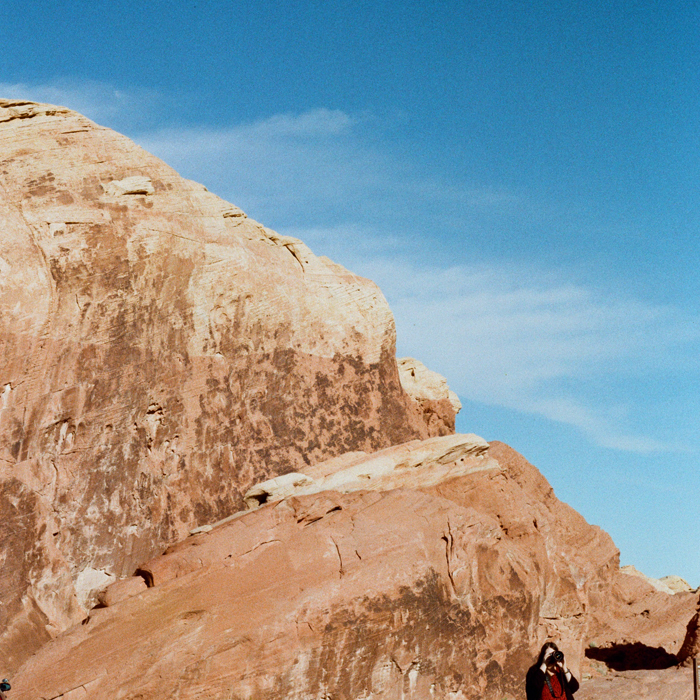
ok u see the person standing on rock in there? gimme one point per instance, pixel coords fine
(549, 677)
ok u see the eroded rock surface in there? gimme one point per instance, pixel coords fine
(416, 464)
(667, 584)
(637, 626)
(441, 586)
(691, 644)
(162, 352)
(668, 684)
(438, 404)
(166, 356)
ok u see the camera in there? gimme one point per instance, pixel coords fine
(5, 685)
(558, 655)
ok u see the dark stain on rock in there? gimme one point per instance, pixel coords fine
(64, 197)
(443, 643)
(41, 186)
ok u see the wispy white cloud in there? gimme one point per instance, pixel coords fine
(102, 102)
(283, 129)
(534, 342)
(320, 168)
(504, 334)
(298, 168)
(529, 339)
(318, 122)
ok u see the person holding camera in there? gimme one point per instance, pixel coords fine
(549, 677)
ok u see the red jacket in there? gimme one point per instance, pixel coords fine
(534, 683)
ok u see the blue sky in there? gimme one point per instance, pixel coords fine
(521, 179)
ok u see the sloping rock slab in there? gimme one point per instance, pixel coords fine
(444, 588)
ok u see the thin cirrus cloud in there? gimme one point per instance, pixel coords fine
(536, 347)
(500, 337)
(99, 101)
(320, 169)
(289, 168)
(532, 347)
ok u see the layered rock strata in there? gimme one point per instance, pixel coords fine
(431, 569)
(162, 352)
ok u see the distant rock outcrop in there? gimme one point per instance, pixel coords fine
(667, 584)
(161, 353)
(638, 625)
(691, 644)
(430, 391)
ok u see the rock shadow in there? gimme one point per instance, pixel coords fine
(632, 657)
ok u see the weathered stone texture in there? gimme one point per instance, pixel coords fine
(165, 356)
(637, 626)
(443, 588)
(161, 353)
(432, 395)
(690, 648)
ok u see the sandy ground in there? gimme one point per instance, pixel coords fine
(669, 684)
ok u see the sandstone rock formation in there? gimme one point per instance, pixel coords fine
(691, 644)
(173, 367)
(162, 352)
(639, 626)
(667, 584)
(429, 389)
(676, 584)
(416, 464)
(431, 569)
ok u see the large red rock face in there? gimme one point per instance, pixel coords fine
(432, 569)
(161, 352)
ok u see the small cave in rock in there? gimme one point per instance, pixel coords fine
(261, 498)
(147, 576)
(632, 657)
